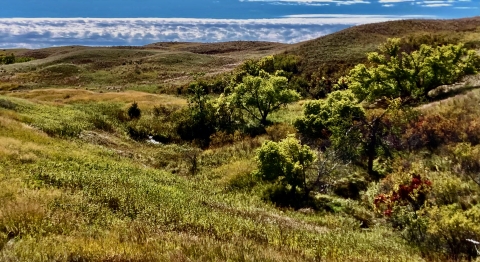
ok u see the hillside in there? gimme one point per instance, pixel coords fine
(334, 53)
(160, 67)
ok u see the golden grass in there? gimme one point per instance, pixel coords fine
(65, 96)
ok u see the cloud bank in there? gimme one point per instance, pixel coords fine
(44, 32)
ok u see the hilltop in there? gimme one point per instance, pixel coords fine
(334, 53)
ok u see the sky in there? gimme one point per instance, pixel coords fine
(43, 23)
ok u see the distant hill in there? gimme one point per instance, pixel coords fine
(168, 67)
(339, 51)
(158, 67)
(220, 48)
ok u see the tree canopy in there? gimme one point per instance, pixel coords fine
(286, 161)
(391, 73)
(261, 95)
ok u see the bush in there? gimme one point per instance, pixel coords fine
(286, 162)
(440, 232)
(7, 104)
(134, 112)
(243, 181)
(282, 195)
(350, 187)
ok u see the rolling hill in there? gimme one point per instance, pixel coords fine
(334, 53)
(167, 67)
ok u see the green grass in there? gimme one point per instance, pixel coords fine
(64, 198)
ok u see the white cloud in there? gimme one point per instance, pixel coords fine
(312, 2)
(41, 32)
(388, 5)
(436, 5)
(395, 1)
(466, 7)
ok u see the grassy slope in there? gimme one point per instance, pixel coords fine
(107, 198)
(160, 67)
(346, 48)
(165, 67)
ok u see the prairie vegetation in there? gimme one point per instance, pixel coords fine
(244, 165)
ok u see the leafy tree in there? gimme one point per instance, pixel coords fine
(227, 116)
(336, 118)
(351, 131)
(261, 95)
(393, 73)
(286, 162)
(8, 59)
(199, 123)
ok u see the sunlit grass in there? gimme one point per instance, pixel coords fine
(65, 199)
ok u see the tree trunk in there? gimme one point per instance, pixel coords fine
(263, 121)
(371, 147)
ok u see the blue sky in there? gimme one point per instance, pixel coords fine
(39, 23)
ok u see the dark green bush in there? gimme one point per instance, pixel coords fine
(134, 111)
(7, 104)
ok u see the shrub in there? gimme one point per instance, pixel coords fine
(134, 112)
(350, 187)
(7, 104)
(396, 74)
(286, 162)
(280, 131)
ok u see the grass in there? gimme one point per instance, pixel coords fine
(155, 68)
(66, 199)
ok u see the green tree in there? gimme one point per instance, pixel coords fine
(7, 59)
(199, 122)
(287, 162)
(391, 73)
(261, 95)
(351, 131)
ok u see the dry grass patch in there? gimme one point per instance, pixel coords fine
(65, 96)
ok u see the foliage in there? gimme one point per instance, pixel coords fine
(413, 194)
(7, 59)
(286, 162)
(199, 119)
(280, 131)
(332, 118)
(205, 117)
(350, 186)
(285, 63)
(261, 95)
(395, 74)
